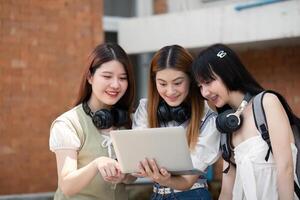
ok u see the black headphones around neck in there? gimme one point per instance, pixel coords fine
(166, 113)
(106, 118)
(230, 120)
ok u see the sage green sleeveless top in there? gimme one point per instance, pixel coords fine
(90, 149)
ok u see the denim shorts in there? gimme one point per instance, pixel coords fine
(195, 194)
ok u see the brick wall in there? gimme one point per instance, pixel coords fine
(43, 47)
(160, 6)
(277, 68)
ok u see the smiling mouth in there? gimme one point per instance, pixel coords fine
(213, 99)
(172, 98)
(112, 94)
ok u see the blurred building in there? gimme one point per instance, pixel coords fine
(266, 33)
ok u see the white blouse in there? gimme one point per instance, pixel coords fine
(63, 136)
(207, 148)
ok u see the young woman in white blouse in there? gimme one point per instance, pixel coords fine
(174, 100)
(86, 164)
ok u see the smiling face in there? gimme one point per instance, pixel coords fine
(109, 83)
(172, 85)
(214, 91)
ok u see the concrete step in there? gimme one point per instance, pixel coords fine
(31, 196)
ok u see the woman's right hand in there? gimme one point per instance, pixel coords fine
(109, 169)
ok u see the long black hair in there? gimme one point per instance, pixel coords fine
(219, 59)
(222, 61)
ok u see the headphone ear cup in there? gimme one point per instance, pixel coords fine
(180, 114)
(163, 112)
(233, 122)
(221, 122)
(120, 117)
(230, 121)
(103, 119)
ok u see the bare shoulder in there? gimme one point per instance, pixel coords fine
(272, 106)
(270, 100)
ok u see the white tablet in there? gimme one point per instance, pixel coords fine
(168, 146)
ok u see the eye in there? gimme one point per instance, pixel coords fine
(106, 76)
(162, 84)
(207, 82)
(178, 83)
(124, 78)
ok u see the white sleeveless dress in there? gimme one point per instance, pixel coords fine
(255, 178)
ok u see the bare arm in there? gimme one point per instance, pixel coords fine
(280, 135)
(72, 180)
(227, 182)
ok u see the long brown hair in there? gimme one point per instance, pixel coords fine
(101, 54)
(178, 58)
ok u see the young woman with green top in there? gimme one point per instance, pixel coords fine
(86, 164)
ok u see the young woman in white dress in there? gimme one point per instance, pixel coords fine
(224, 81)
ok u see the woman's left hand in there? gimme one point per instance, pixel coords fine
(149, 168)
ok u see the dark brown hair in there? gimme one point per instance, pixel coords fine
(101, 54)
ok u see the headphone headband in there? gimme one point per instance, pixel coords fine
(243, 104)
(87, 109)
(230, 120)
